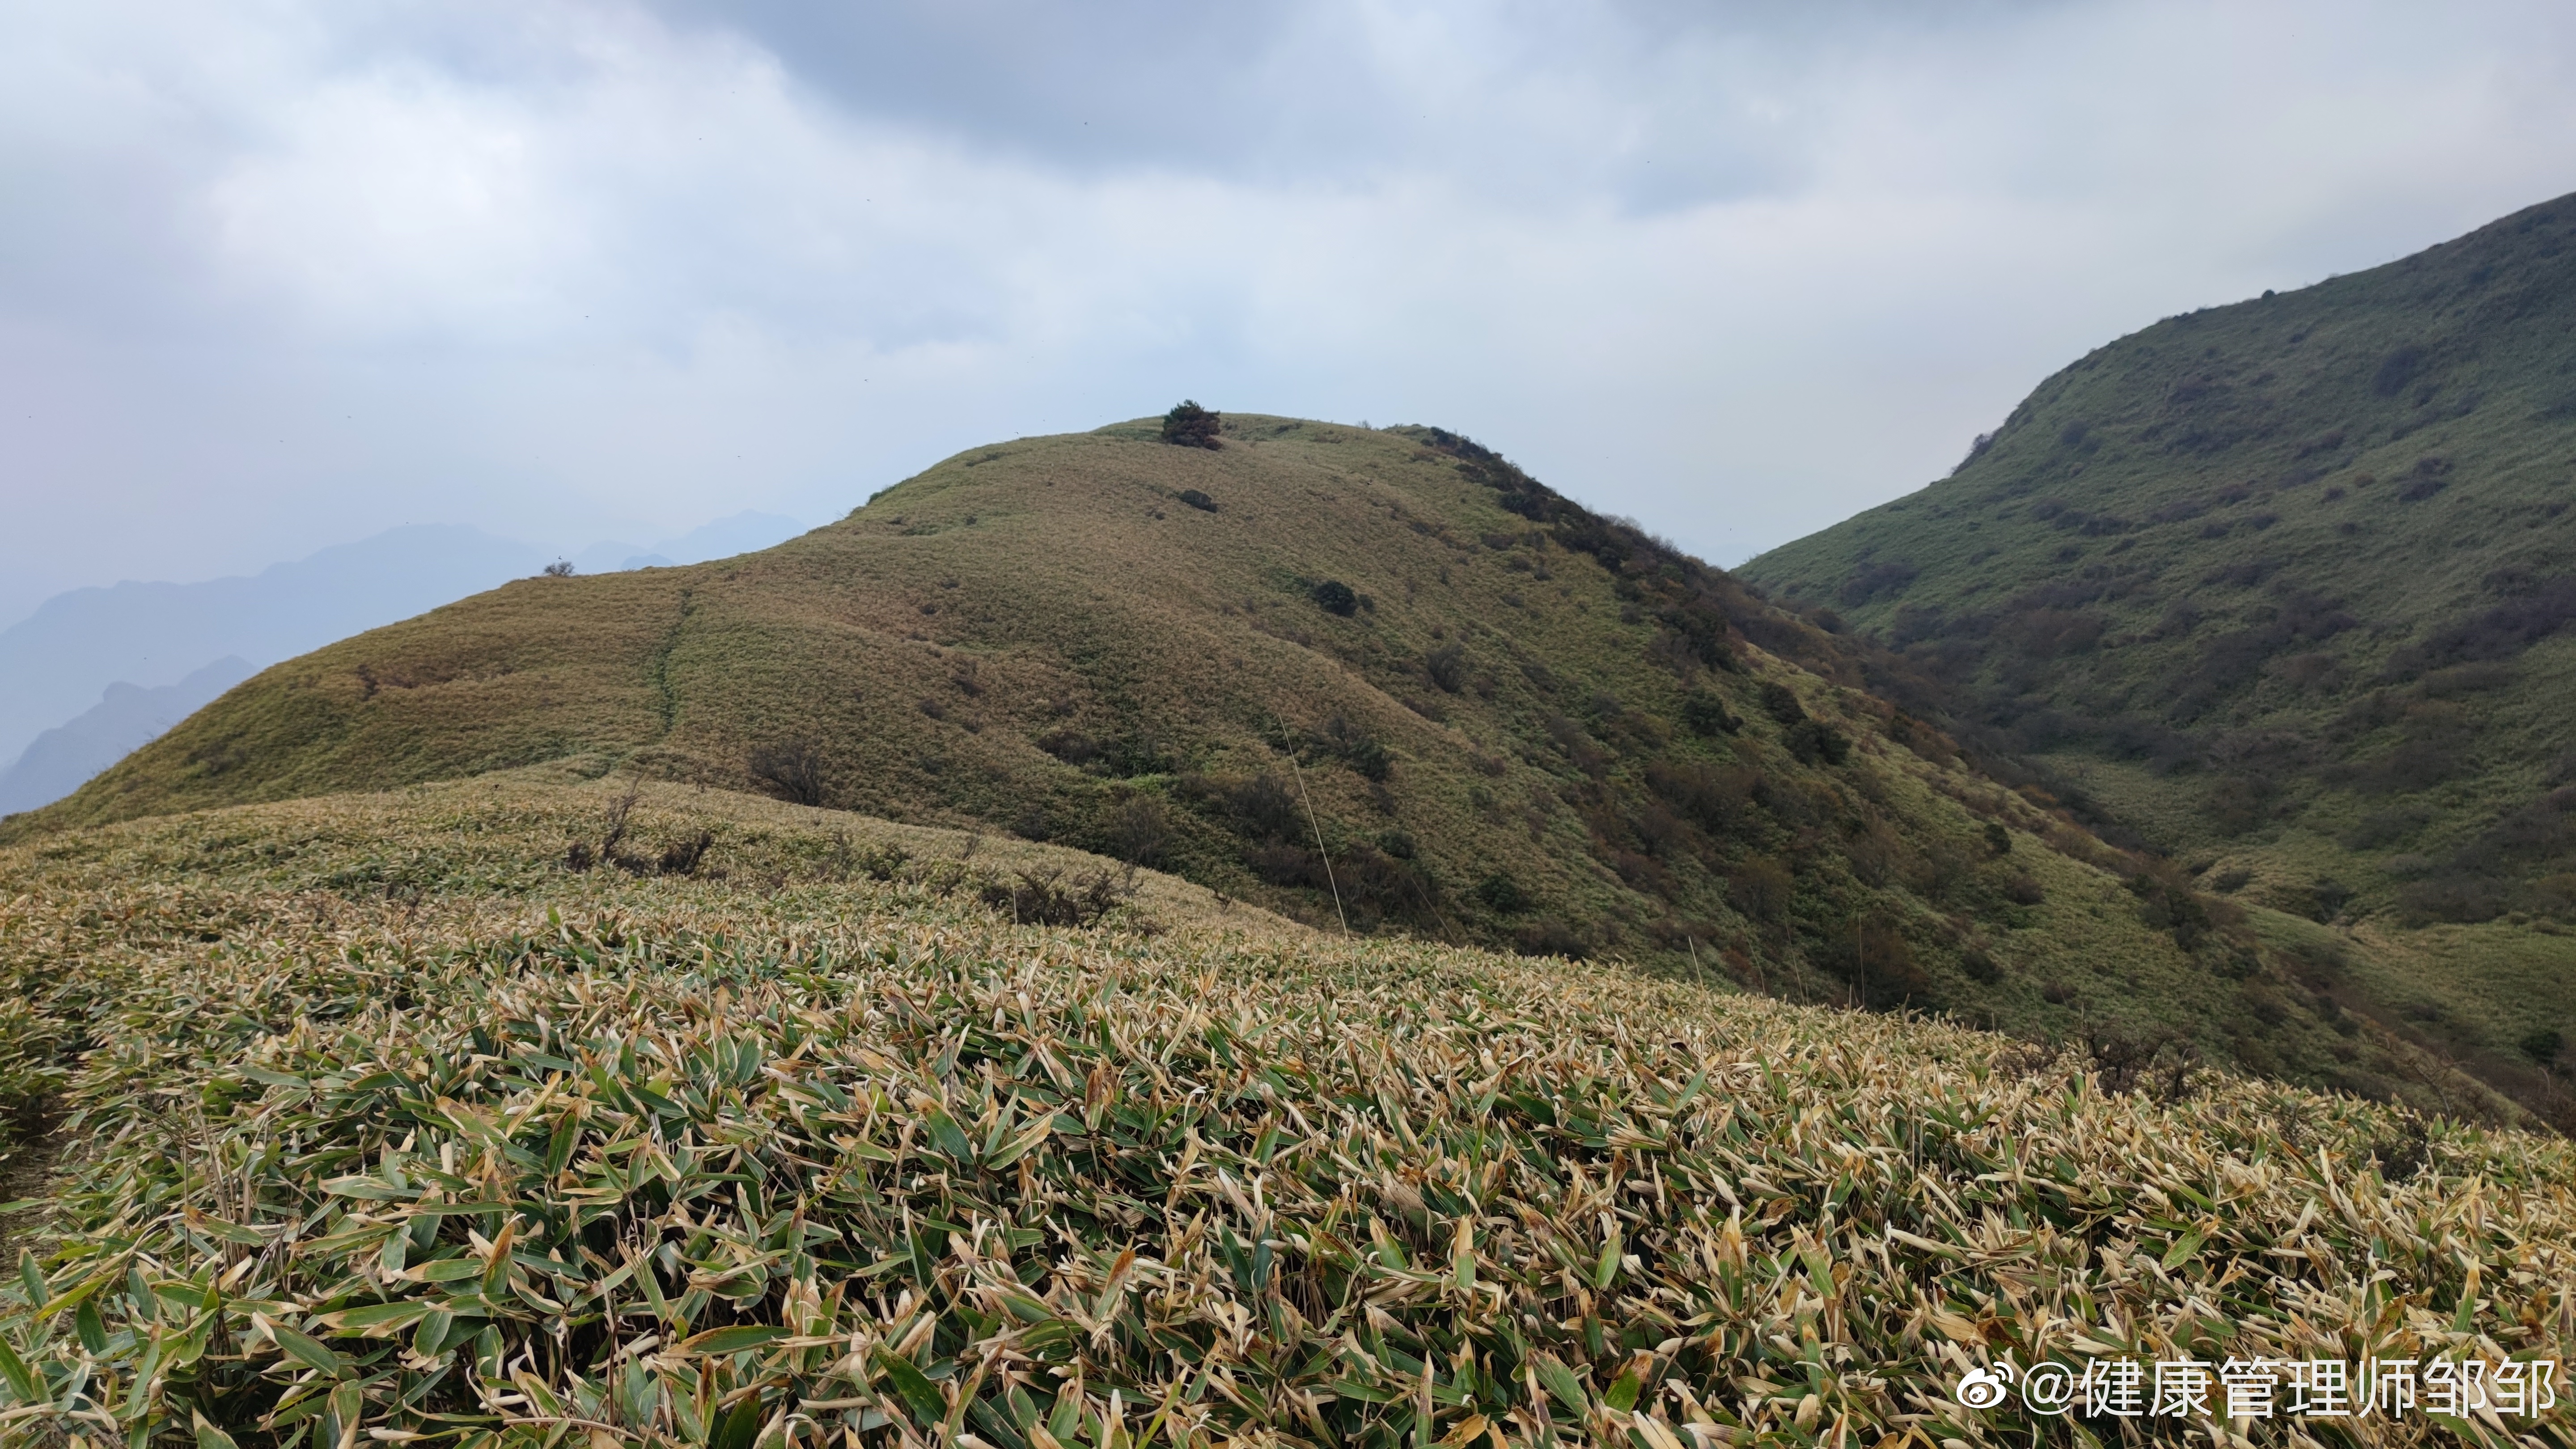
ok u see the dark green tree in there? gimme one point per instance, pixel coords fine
(1191, 426)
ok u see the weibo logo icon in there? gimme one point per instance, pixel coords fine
(1984, 1388)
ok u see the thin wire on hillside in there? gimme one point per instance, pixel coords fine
(1318, 828)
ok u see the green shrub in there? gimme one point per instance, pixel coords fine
(1815, 742)
(1877, 961)
(1706, 714)
(1050, 898)
(1781, 703)
(1447, 666)
(1548, 936)
(1191, 426)
(1762, 889)
(1071, 746)
(1502, 894)
(1285, 863)
(1359, 749)
(792, 770)
(1335, 597)
(2466, 899)
(1139, 830)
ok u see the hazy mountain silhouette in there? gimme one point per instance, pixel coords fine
(128, 717)
(54, 663)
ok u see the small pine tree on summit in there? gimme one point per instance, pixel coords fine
(1191, 426)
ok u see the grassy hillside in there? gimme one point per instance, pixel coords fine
(378, 1124)
(2286, 585)
(1507, 720)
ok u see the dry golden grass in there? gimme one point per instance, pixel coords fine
(383, 1127)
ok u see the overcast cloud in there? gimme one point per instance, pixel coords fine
(277, 275)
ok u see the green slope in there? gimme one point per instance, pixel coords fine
(1513, 723)
(2286, 586)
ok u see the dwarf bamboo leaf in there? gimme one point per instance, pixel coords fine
(21, 1379)
(307, 1351)
(919, 1394)
(716, 1342)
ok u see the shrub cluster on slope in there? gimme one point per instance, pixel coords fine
(383, 1127)
(2284, 553)
(1192, 426)
(2286, 586)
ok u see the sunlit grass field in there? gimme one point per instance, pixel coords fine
(370, 1120)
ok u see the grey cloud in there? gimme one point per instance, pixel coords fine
(282, 275)
(1120, 83)
(1654, 104)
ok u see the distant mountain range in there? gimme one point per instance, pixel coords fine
(742, 533)
(128, 718)
(59, 665)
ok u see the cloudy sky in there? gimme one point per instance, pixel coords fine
(277, 274)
